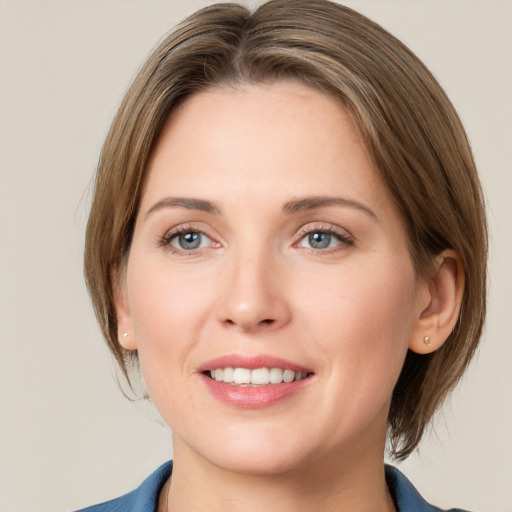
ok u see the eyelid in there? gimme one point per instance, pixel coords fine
(166, 239)
(325, 228)
(180, 229)
(344, 236)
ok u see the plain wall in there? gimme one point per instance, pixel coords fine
(68, 438)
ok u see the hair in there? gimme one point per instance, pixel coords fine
(410, 128)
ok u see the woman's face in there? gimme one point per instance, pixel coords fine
(267, 244)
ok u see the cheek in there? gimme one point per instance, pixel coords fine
(168, 308)
(164, 316)
(364, 319)
(159, 296)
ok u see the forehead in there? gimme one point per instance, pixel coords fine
(262, 141)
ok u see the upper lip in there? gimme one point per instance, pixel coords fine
(251, 362)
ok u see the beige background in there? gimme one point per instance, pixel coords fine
(67, 436)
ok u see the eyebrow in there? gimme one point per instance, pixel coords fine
(184, 202)
(310, 203)
(293, 206)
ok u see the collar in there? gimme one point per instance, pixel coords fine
(145, 497)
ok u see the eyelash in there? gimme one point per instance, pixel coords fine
(344, 239)
(166, 240)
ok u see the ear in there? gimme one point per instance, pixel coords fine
(125, 331)
(442, 301)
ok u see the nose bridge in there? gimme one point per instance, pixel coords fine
(254, 297)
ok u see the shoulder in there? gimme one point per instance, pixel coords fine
(406, 497)
(142, 499)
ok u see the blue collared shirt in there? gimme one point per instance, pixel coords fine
(145, 497)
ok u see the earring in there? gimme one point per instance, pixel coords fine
(125, 334)
(427, 341)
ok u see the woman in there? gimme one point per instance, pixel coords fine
(288, 235)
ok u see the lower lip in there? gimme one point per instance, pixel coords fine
(254, 397)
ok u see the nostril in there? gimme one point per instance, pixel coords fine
(248, 325)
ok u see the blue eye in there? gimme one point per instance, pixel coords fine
(323, 239)
(320, 240)
(189, 240)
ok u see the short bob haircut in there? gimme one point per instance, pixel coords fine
(409, 126)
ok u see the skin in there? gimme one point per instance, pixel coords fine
(348, 312)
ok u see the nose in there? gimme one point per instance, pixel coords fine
(254, 295)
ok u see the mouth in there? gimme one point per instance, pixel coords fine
(256, 377)
(254, 382)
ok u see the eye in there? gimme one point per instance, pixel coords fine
(320, 240)
(323, 238)
(189, 240)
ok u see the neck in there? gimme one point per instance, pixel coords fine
(327, 485)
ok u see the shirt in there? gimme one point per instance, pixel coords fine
(145, 497)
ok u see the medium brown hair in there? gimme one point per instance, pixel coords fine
(410, 128)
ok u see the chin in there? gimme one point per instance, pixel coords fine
(254, 456)
(261, 464)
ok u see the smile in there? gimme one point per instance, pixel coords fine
(254, 382)
(255, 377)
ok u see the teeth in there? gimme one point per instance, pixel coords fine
(257, 377)
(288, 376)
(228, 374)
(260, 376)
(276, 376)
(241, 376)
